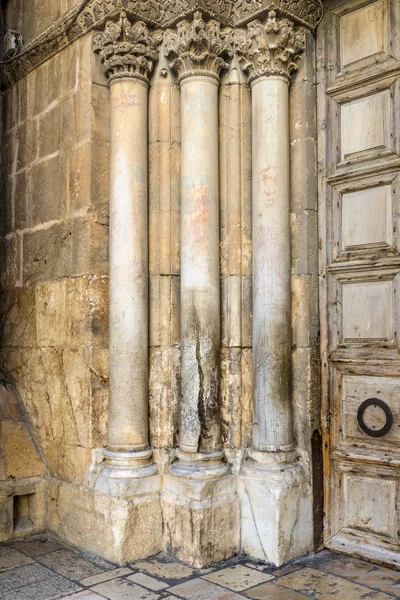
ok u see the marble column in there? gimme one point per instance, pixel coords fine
(128, 51)
(199, 486)
(272, 481)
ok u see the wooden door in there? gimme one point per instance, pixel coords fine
(359, 191)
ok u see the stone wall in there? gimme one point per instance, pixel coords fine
(54, 255)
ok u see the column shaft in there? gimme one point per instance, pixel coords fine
(200, 274)
(273, 429)
(128, 343)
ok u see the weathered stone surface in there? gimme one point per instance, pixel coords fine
(20, 455)
(119, 529)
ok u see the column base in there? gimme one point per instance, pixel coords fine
(201, 513)
(276, 508)
(119, 529)
(127, 474)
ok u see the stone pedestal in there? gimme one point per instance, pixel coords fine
(276, 515)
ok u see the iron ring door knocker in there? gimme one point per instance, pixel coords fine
(386, 409)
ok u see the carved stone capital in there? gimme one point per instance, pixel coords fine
(304, 12)
(270, 48)
(127, 49)
(198, 48)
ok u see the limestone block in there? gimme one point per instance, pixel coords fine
(69, 69)
(68, 462)
(164, 310)
(27, 140)
(201, 519)
(276, 513)
(48, 190)
(304, 227)
(303, 157)
(17, 310)
(10, 259)
(20, 454)
(49, 130)
(9, 403)
(305, 316)
(119, 529)
(38, 89)
(100, 112)
(306, 394)
(164, 396)
(21, 200)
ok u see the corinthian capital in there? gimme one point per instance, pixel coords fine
(270, 48)
(198, 47)
(127, 49)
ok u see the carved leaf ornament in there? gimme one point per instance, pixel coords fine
(127, 49)
(198, 46)
(270, 48)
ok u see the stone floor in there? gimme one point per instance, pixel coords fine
(42, 568)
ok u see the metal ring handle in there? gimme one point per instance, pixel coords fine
(386, 409)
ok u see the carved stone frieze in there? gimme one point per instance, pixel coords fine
(269, 48)
(155, 13)
(197, 47)
(305, 12)
(127, 49)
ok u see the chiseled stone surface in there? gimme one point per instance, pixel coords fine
(43, 568)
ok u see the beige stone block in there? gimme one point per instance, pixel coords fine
(305, 314)
(80, 177)
(164, 310)
(39, 89)
(247, 397)
(303, 156)
(99, 395)
(231, 396)
(48, 190)
(49, 131)
(304, 229)
(50, 305)
(10, 407)
(69, 67)
(306, 371)
(10, 259)
(83, 115)
(27, 140)
(20, 455)
(100, 180)
(6, 208)
(100, 101)
(18, 318)
(164, 396)
(67, 123)
(119, 529)
(201, 519)
(21, 200)
(67, 462)
(3, 474)
(35, 488)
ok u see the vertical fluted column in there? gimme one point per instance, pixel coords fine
(269, 53)
(128, 51)
(197, 51)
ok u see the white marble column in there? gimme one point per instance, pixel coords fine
(273, 428)
(128, 64)
(273, 486)
(199, 486)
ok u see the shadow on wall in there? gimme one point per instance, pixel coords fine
(22, 471)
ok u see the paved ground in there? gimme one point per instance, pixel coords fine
(42, 569)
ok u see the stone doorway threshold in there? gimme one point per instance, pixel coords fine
(42, 568)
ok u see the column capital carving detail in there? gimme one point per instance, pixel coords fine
(198, 48)
(273, 47)
(127, 48)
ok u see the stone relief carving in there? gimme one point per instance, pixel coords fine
(157, 13)
(198, 47)
(270, 48)
(127, 49)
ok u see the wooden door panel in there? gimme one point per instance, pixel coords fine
(359, 165)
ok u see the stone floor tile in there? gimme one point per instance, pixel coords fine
(380, 578)
(10, 559)
(270, 591)
(200, 589)
(26, 575)
(85, 595)
(91, 581)
(36, 546)
(166, 569)
(147, 581)
(324, 586)
(47, 589)
(74, 565)
(122, 589)
(238, 578)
